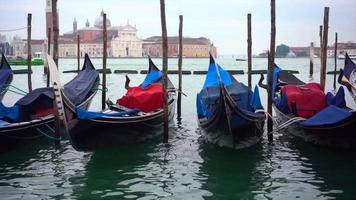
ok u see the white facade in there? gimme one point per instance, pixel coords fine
(126, 44)
(18, 46)
(94, 50)
(67, 50)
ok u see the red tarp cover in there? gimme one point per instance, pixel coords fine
(310, 99)
(146, 100)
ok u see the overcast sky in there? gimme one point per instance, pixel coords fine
(222, 21)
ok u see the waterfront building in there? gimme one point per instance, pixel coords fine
(192, 47)
(19, 47)
(126, 44)
(343, 48)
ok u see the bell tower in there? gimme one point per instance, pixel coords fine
(49, 16)
(75, 25)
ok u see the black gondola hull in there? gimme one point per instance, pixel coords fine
(230, 128)
(340, 135)
(86, 135)
(15, 136)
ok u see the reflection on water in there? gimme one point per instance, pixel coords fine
(186, 168)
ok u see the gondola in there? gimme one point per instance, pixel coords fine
(229, 113)
(6, 76)
(347, 76)
(31, 117)
(310, 114)
(135, 117)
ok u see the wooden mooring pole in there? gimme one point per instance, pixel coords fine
(249, 51)
(325, 47)
(271, 69)
(29, 56)
(311, 64)
(78, 53)
(180, 60)
(55, 31)
(321, 48)
(164, 66)
(335, 60)
(49, 53)
(103, 94)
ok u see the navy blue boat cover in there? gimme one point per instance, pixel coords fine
(81, 86)
(84, 114)
(5, 72)
(328, 116)
(209, 97)
(21, 111)
(349, 67)
(337, 100)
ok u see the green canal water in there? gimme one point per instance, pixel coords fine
(187, 167)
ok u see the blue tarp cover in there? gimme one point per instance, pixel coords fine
(208, 98)
(4, 123)
(207, 101)
(84, 114)
(81, 86)
(212, 78)
(151, 77)
(24, 107)
(255, 101)
(328, 116)
(9, 113)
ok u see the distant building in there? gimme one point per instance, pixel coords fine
(343, 48)
(5, 46)
(19, 47)
(304, 51)
(192, 47)
(126, 44)
(122, 40)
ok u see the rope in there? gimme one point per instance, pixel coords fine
(282, 125)
(14, 29)
(48, 136)
(105, 89)
(7, 86)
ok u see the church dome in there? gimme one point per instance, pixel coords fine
(99, 21)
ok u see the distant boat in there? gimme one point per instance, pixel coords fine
(240, 59)
(37, 60)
